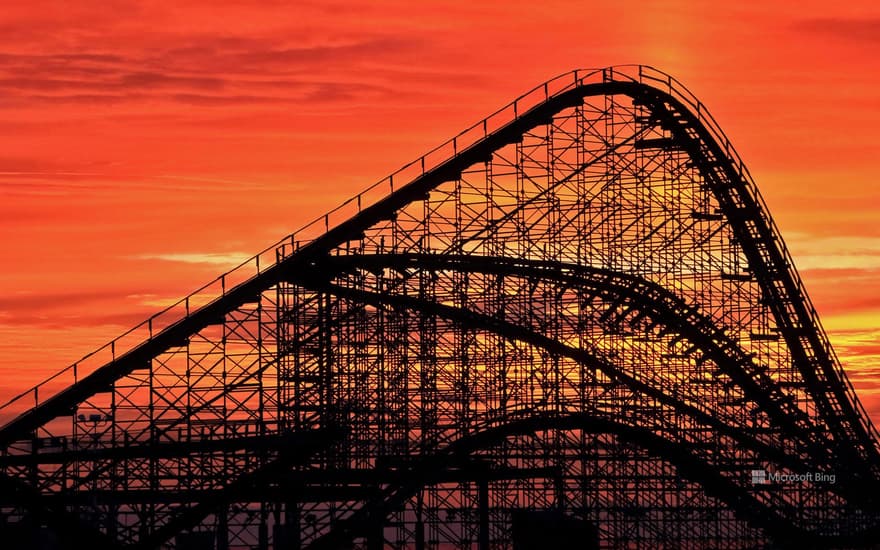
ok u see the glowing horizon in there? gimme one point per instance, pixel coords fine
(147, 150)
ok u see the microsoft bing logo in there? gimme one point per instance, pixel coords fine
(759, 477)
(763, 477)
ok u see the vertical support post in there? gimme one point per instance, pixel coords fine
(559, 487)
(376, 538)
(263, 532)
(291, 527)
(483, 488)
(420, 522)
(223, 528)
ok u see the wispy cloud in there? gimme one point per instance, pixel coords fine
(207, 70)
(859, 30)
(229, 259)
(45, 301)
(57, 310)
(814, 252)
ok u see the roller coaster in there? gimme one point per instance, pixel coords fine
(574, 325)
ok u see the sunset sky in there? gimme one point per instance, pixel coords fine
(147, 147)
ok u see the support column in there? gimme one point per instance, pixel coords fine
(263, 532)
(291, 538)
(483, 488)
(223, 528)
(420, 521)
(376, 536)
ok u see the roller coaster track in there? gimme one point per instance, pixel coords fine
(580, 304)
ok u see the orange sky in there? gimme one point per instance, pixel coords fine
(147, 146)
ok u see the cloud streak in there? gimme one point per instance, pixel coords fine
(213, 71)
(222, 259)
(858, 30)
